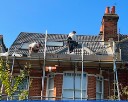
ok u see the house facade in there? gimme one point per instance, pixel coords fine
(95, 71)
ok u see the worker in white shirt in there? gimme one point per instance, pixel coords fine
(34, 47)
(72, 41)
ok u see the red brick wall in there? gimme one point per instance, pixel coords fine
(109, 23)
(45, 87)
(91, 88)
(92, 71)
(105, 74)
(58, 81)
(111, 82)
(123, 80)
(36, 83)
(35, 88)
(110, 30)
(106, 89)
(123, 77)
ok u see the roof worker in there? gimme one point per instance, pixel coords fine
(72, 43)
(34, 47)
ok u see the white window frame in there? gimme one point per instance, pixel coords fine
(50, 76)
(99, 87)
(71, 73)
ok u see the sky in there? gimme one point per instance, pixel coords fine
(57, 17)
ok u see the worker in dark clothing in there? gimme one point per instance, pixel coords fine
(72, 41)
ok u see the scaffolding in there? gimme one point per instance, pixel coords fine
(79, 61)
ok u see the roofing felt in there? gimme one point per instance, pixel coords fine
(92, 44)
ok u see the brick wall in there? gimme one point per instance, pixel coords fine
(91, 89)
(35, 88)
(105, 74)
(36, 84)
(45, 87)
(123, 77)
(58, 81)
(110, 28)
(106, 89)
(123, 80)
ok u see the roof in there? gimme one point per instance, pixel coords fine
(123, 46)
(92, 44)
(4, 49)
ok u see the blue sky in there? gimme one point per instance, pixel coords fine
(57, 16)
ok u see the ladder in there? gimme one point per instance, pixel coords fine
(116, 83)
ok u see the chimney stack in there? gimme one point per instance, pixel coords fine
(107, 11)
(109, 24)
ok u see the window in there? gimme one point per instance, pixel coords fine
(55, 44)
(25, 46)
(50, 87)
(22, 86)
(99, 87)
(72, 86)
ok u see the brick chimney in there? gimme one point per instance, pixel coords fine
(109, 24)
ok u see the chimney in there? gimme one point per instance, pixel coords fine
(101, 30)
(113, 10)
(107, 11)
(109, 25)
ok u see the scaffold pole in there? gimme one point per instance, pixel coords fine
(43, 76)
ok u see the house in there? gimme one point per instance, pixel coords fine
(90, 73)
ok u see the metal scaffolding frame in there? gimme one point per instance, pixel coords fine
(82, 50)
(43, 76)
(82, 61)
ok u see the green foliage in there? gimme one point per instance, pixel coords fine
(23, 95)
(113, 97)
(123, 93)
(11, 83)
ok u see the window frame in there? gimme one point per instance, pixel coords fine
(78, 73)
(50, 76)
(99, 79)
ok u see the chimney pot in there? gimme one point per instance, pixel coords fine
(101, 28)
(107, 10)
(113, 10)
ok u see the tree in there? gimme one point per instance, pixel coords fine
(11, 83)
(123, 93)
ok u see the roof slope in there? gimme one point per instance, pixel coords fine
(123, 46)
(92, 44)
(2, 45)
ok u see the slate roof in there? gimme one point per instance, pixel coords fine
(123, 45)
(4, 49)
(91, 42)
